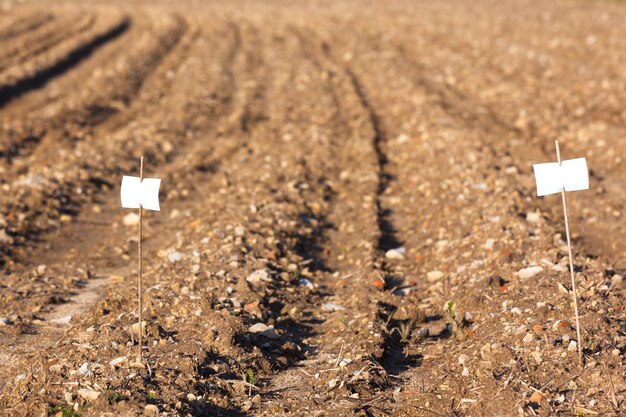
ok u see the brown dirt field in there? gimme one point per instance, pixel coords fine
(299, 144)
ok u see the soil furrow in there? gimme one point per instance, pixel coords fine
(348, 224)
(9, 90)
(29, 23)
(32, 44)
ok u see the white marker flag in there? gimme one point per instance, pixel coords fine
(137, 193)
(571, 175)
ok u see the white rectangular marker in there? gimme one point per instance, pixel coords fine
(571, 175)
(137, 193)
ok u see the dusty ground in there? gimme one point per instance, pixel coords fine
(298, 143)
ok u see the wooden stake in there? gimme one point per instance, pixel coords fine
(571, 263)
(140, 274)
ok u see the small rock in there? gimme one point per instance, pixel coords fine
(379, 283)
(62, 321)
(88, 394)
(537, 357)
(306, 283)
(434, 276)
(536, 397)
(135, 329)
(463, 359)
(465, 372)
(396, 254)
(528, 338)
(533, 217)
(332, 307)
(65, 218)
(118, 361)
(5, 321)
(84, 369)
(41, 269)
(5, 239)
(131, 219)
(151, 409)
(562, 289)
(58, 368)
(573, 346)
(258, 276)
(489, 244)
(175, 257)
(344, 362)
(529, 272)
(263, 330)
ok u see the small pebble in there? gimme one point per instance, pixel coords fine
(529, 272)
(131, 219)
(434, 276)
(396, 254)
(533, 217)
(258, 276)
(332, 307)
(118, 361)
(263, 330)
(88, 394)
(175, 257)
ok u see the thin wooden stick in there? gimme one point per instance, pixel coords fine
(571, 263)
(140, 277)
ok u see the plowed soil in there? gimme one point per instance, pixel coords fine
(346, 206)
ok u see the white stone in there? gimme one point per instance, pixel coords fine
(434, 276)
(5, 238)
(396, 254)
(258, 276)
(528, 338)
(175, 257)
(84, 369)
(529, 272)
(263, 330)
(61, 321)
(131, 219)
(118, 361)
(88, 394)
(332, 307)
(533, 217)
